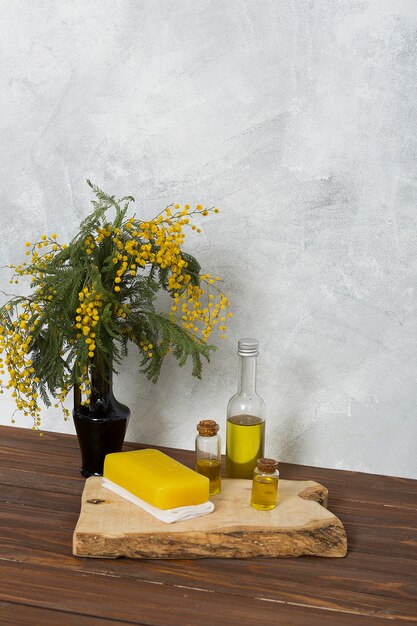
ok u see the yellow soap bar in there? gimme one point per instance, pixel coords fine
(156, 478)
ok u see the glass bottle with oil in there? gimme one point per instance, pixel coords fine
(265, 485)
(208, 454)
(245, 426)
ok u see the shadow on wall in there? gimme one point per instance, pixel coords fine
(300, 382)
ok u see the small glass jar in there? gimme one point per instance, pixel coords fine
(265, 485)
(208, 454)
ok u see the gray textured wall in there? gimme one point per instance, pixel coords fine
(297, 118)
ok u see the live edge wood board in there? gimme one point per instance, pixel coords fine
(110, 527)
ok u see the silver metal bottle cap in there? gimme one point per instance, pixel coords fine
(248, 347)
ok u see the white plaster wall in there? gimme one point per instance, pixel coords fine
(297, 118)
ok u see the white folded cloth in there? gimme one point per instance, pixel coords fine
(164, 515)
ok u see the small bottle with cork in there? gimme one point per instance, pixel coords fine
(208, 454)
(265, 485)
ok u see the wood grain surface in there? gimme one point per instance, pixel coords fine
(110, 527)
(41, 582)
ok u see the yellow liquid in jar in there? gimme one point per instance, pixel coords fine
(211, 468)
(244, 445)
(264, 492)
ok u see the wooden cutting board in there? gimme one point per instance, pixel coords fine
(110, 526)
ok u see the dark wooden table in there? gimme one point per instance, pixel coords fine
(41, 583)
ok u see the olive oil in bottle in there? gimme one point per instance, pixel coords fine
(265, 485)
(244, 444)
(208, 454)
(245, 425)
(213, 470)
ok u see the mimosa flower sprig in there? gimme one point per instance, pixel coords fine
(89, 298)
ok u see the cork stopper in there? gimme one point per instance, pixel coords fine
(267, 466)
(207, 428)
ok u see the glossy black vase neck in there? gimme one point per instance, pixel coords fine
(102, 396)
(101, 391)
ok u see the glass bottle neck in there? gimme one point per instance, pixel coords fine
(247, 375)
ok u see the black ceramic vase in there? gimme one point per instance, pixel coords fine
(101, 425)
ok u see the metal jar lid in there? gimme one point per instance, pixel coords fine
(248, 347)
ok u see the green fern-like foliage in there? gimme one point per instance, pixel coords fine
(89, 299)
